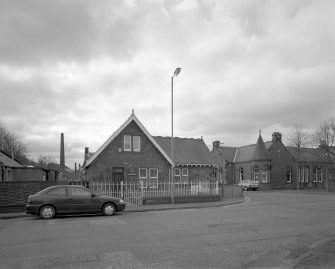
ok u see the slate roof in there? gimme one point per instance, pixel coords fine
(308, 154)
(186, 150)
(7, 161)
(227, 153)
(249, 152)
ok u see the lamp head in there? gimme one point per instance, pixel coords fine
(177, 71)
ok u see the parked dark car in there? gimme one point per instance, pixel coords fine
(70, 199)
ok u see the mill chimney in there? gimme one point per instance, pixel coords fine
(62, 154)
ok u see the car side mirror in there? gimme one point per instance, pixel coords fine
(93, 195)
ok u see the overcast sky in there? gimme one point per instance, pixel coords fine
(80, 67)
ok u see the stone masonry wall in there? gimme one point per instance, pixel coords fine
(281, 159)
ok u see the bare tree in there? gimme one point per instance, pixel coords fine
(45, 160)
(298, 138)
(11, 143)
(324, 138)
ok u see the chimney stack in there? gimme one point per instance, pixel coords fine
(216, 144)
(86, 154)
(276, 137)
(62, 154)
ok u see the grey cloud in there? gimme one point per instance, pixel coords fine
(37, 31)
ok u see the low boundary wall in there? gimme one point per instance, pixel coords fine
(14, 195)
(181, 199)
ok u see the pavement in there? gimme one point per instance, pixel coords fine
(319, 255)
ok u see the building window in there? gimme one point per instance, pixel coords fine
(315, 174)
(129, 146)
(184, 174)
(137, 143)
(256, 174)
(301, 174)
(127, 143)
(241, 174)
(265, 175)
(306, 172)
(143, 177)
(153, 178)
(320, 174)
(177, 175)
(288, 175)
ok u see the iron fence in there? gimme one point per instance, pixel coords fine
(134, 192)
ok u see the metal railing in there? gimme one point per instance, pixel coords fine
(134, 192)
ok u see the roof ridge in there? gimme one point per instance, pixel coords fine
(247, 145)
(186, 138)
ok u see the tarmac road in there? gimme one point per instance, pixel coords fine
(269, 230)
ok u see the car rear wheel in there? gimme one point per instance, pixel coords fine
(108, 209)
(47, 212)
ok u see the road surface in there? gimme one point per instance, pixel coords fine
(270, 230)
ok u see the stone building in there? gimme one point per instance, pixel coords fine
(272, 164)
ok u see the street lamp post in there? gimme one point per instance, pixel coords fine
(176, 73)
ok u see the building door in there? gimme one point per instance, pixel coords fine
(118, 175)
(117, 178)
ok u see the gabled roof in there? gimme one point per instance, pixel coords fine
(308, 154)
(250, 152)
(227, 153)
(118, 131)
(186, 150)
(7, 161)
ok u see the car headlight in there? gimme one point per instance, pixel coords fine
(121, 201)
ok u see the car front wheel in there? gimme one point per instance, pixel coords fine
(108, 210)
(47, 212)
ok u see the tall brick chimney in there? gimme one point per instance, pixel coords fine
(62, 154)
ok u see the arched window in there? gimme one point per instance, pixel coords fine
(256, 173)
(265, 174)
(241, 174)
